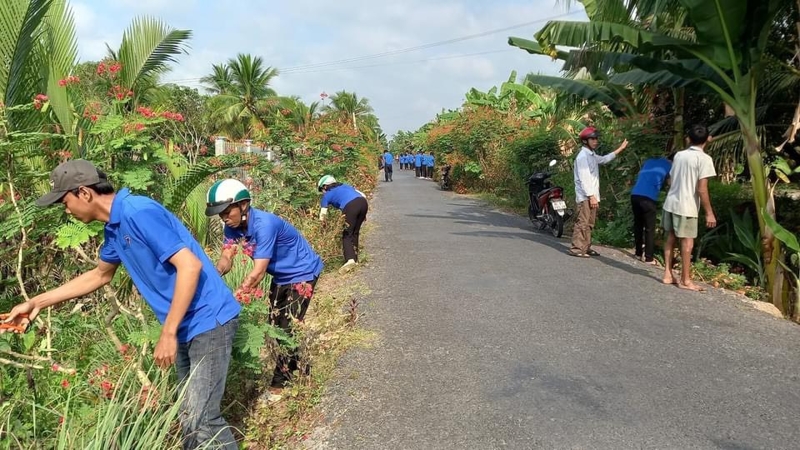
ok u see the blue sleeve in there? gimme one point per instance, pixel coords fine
(109, 254)
(266, 236)
(326, 199)
(154, 227)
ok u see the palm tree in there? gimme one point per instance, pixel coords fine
(243, 91)
(219, 81)
(348, 107)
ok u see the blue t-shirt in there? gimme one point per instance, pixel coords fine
(428, 161)
(418, 160)
(388, 158)
(651, 178)
(291, 258)
(142, 235)
(339, 196)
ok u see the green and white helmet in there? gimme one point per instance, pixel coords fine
(223, 193)
(324, 181)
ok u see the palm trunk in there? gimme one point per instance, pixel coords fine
(770, 247)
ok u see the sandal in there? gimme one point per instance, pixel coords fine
(577, 254)
(591, 252)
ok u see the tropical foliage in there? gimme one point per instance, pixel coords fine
(644, 70)
(83, 376)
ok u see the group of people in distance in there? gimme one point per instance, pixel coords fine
(184, 288)
(420, 162)
(686, 172)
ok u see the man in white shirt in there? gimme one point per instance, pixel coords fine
(587, 190)
(691, 169)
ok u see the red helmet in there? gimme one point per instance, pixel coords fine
(589, 132)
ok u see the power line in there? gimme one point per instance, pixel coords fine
(333, 69)
(300, 68)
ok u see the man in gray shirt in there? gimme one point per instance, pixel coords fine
(690, 172)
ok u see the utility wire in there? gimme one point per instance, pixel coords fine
(302, 68)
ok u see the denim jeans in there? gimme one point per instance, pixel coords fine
(203, 361)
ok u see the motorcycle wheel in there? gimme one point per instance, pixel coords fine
(556, 224)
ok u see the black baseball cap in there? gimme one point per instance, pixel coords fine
(67, 176)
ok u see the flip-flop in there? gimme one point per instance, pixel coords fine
(591, 252)
(577, 254)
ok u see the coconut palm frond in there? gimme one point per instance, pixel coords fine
(148, 47)
(20, 31)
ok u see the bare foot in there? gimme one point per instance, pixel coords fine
(691, 287)
(669, 279)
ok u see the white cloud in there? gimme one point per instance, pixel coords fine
(406, 88)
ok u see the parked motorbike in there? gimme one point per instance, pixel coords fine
(546, 207)
(444, 181)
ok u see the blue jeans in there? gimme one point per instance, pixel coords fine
(204, 362)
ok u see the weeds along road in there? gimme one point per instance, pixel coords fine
(490, 336)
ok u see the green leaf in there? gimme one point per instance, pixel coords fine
(583, 89)
(74, 233)
(250, 339)
(782, 234)
(579, 34)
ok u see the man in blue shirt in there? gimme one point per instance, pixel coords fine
(353, 205)
(278, 249)
(429, 163)
(418, 164)
(644, 198)
(387, 165)
(198, 313)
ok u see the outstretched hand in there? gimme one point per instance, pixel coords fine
(19, 318)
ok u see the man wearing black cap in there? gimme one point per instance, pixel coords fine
(198, 313)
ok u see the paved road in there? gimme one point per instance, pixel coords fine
(490, 336)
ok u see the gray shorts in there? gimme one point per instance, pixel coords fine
(684, 227)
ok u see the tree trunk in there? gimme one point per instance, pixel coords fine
(770, 247)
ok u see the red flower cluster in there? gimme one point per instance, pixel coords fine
(336, 147)
(111, 69)
(91, 111)
(120, 93)
(248, 248)
(39, 100)
(69, 80)
(246, 296)
(230, 244)
(145, 111)
(304, 289)
(172, 116)
(106, 386)
(64, 383)
(65, 154)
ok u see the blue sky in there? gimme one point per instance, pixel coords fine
(300, 37)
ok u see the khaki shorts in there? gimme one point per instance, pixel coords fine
(684, 227)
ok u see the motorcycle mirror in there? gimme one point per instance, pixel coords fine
(552, 163)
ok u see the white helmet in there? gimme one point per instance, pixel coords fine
(324, 181)
(223, 193)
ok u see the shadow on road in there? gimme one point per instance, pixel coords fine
(473, 214)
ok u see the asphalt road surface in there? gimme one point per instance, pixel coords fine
(490, 336)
